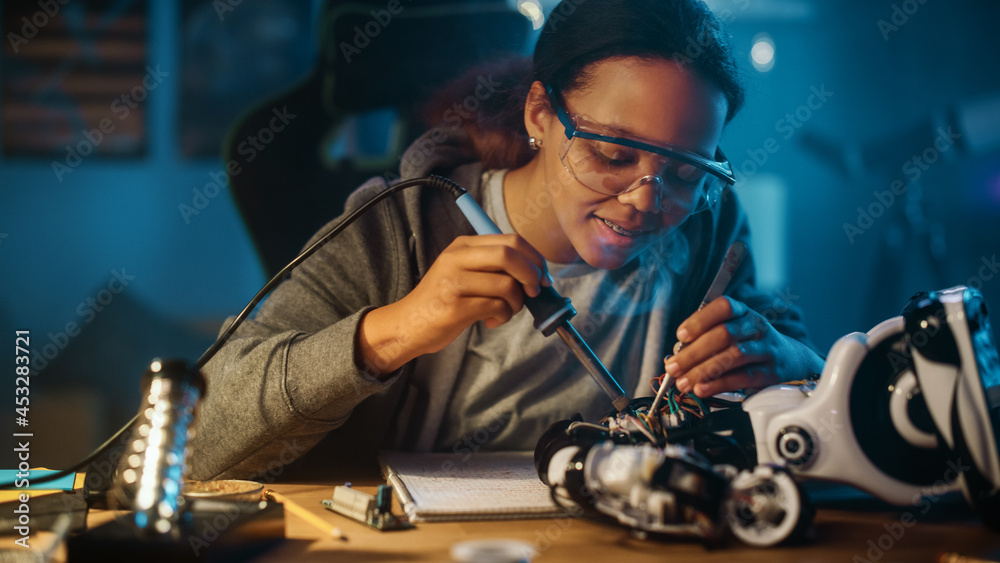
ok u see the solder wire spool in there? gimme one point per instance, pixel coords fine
(150, 474)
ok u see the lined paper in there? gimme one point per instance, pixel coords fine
(439, 487)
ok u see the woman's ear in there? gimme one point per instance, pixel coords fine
(537, 111)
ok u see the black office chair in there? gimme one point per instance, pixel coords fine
(296, 183)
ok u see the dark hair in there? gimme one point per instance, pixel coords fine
(577, 34)
(582, 32)
(495, 122)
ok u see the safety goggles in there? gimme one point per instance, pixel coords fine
(615, 165)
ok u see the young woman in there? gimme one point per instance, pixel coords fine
(409, 331)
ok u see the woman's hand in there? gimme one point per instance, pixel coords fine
(730, 346)
(475, 278)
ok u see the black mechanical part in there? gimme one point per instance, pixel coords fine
(981, 488)
(869, 398)
(696, 485)
(917, 412)
(795, 444)
(928, 331)
(576, 484)
(558, 436)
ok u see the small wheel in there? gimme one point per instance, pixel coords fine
(767, 507)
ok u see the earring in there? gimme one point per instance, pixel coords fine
(534, 144)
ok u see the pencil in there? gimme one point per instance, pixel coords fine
(303, 513)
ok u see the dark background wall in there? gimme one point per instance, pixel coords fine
(886, 93)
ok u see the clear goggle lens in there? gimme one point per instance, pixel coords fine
(614, 169)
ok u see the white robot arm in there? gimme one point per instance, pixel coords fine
(912, 405)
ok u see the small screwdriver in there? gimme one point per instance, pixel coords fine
(732, 261)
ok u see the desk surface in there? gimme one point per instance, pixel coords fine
(854, 529)
(843, 531)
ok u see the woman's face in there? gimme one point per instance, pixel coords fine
(656, 100)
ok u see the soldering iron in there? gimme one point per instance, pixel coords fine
(552, 312)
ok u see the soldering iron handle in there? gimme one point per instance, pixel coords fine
(480, 221)
(549, 309)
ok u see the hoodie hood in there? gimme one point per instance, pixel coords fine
(438, 151)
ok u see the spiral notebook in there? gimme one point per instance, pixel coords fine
(442, 487)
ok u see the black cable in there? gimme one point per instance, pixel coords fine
(434, 181)
(438, 182)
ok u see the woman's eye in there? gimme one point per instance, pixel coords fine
(618, 161)
(687, 173)
(613, 156)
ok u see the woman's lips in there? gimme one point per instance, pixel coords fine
(621, 230)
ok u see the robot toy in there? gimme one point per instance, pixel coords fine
(911, 406)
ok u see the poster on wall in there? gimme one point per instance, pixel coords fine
(75, 80)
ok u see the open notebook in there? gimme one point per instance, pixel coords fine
(440, 487)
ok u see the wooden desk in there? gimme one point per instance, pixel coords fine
(846, 530)
(843, 529)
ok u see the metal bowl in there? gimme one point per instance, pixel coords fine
(231, 490)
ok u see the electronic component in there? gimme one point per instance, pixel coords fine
(375, 511)
(671, 490)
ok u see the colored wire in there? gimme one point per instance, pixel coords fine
(672, 401)
(692, 411)
(644, 419)
(665, 382)
(701, 405)
(654, 384)
(695, 401)
(642, 428)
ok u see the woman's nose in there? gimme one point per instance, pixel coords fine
(645, 194)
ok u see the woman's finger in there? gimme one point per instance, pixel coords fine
(509, 254)
(717, 312)
(717, 339)
(734, 358)
(752, 376)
